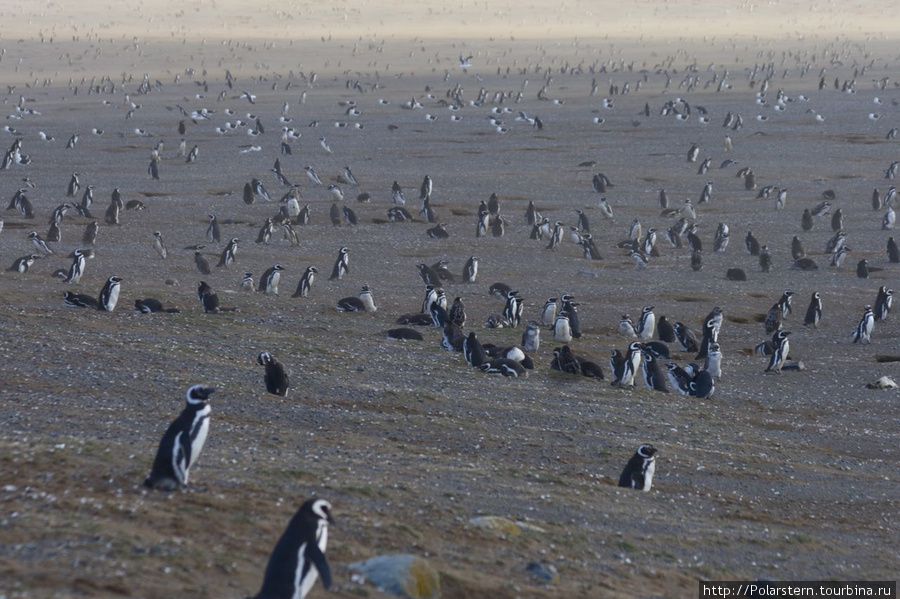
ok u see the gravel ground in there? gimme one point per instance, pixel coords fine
(789, 476)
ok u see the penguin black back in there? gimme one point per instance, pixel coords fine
(298, 558)
(638, 472)
(276, 378)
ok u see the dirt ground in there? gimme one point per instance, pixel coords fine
(779, 477)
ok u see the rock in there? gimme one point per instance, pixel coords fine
(498, 524)
(403, 575)
(543, 570)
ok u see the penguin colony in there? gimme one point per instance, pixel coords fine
(646, 342)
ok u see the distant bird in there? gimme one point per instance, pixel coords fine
(341, 265)
(159, 245)
(324, 144)
(229, 253)
(814, 311)
(21, 265)
(363, 303)
(268, 282)
(213, 233)
(39, 244)
(76, 270)
(182, 442)
(883, 302)
(202, 263)
(306, 282)
(109, 295)
(298, 559)
(638, 472)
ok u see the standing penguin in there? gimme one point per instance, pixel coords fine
(531, 337)
(548, 312)
(814, 311)
(638, 472)
(229, 253)
(181, 444)
(665, 331)
(647, 323)
(268, 282)
(629, 367)
(276, 378)
(306, 282)
(781, 349)
(298, 559)
(470, 270)
(571, 307)
(561, 330)
(654, 377)
(863, 332)
(109, 295)
(883, 302)
(341, 265)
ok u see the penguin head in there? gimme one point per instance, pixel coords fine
(647, 451)
(263, 358)
(198, 394)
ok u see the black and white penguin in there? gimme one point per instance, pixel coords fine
(80, 300)
(531, 337)
(679, 378)
(512, 312)
(893, 252)
(21, 265)
(457, 313)
(426, 188)
(109, 295)
(703, 386)
(548, 312)
(470, 270)
(150, 305)
(504, 366)
(781, 348)
(404, 334)
(298, 559)
(265, 232)
(39, 244)
(452, 338)
(814, 311)
(863, 331)
(752, 245)
(564, 360)
(571, 308)
(646, 324)
(624, 377)
(74, 186)
(561, 329)
(363, 303)
(437, 312)
(208, 298)
(229, 253)
(306, 282)
(276, 378)
(473, 351)
(268, 282)
(883, 302)
(713, 363)
(720, 242)
(638, 472)
(654, 377)
(341, 265)
(259, 189)
(686, 337)
(665, 331)
(626, 326)
(182, 442)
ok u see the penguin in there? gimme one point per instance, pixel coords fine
(306, 282)
(883, 302)
(208, 298)
(626, 326)
(863, 332)
(752, 245)
(703, 386)
(531, 337)
(349, 216)
(159, 245)
(713, 364)
(438, 314)
(54, 234)
(90, 233)
(276, 379)
(21, 265)
(765, 259)
(814, 311)
(229, 253)
(686, 337)
(583, 223)
(109, 295)
(720, 242)
(638, 472)
(247, 283)
(341, 265)
(797, 250)
(548, 312)
(665, 331)
(76, 270)
(268, 282)
(80, 300)
(653, 374)
(837, 220)
(363, 303)
(439, 231)
(663, 200)
(630, 366)
(837, 258)
(202, 263)
(452, 338)
(431, 296)
(265, 232)
(259, 189)
(556, 237)
(569, 305)
(512, 312)
(780, 350)
(893, 252)
(862, 269)
(150, 305)
(397, 194)
(646, 324)
(153, 169)
(693, 153)
(774, 319)
(457, 313)
(565, 361)
(182, 442)
(426, 188)
(404, 334)
(561, 330)
(74, 186)
(473, 351)
(298, 559)
(470, 270)
(39, 244)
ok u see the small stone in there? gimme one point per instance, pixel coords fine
(543, 570)
(403, 575)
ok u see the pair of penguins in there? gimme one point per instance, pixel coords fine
(298, 558)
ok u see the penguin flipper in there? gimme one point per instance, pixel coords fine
(317, 558)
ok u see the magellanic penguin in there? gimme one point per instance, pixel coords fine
(298, 559)
(638, 472)
(268, 282)
(77, 269)
(21, 265)
(863, 331)
(208, 298)
(149, 305)
(548, 312)
(814, 311)
(276, 378)
(306, 282)
(646, 324)
(363, 303)
(229, 253)
(629, 367)
(883, 302)
(561, 330)
(686, 338)
(109, 295)
(470, 270)
(457, 313)
(654, 377)
(341, 265)
(473, 351)
(781, 349)
(531, 337)
(182, 442)
(571, 307)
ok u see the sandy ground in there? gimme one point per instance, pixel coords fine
(789, 476)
